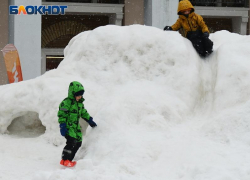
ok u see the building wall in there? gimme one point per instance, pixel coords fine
(133, 12)
(148, 17)
(248, 24)
(4, 13)
(160, 13)
(25, 34)
(248, 27)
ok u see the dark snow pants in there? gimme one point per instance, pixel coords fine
(72, 146)
(203, 45)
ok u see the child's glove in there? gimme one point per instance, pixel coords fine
(63, 129)
(168, 28)
(205, 35)
(91, 122)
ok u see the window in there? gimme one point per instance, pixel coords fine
(53, 61)
(220, 3)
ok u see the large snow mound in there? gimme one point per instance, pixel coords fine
(116, 65)
(162, 111)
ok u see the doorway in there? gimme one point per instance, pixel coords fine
(52, 61)
(57, 31)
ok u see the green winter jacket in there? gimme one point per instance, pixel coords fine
(71, 110)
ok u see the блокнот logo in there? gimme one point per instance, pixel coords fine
(43, 10)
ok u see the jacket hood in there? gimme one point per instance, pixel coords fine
(74, 87)
(185, 4)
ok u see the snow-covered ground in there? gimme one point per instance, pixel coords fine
(162, 111)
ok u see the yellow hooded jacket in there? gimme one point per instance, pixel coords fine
(192, 23)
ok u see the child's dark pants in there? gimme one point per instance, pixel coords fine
(72, 146)
(203, 45)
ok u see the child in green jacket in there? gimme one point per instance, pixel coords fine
(70, 111)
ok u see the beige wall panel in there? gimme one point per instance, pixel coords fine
(134, 12)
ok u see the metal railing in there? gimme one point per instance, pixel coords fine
(221, 3)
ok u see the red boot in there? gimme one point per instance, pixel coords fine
(62, 162)
(69, 163)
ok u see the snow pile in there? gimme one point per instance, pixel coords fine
(162, 112)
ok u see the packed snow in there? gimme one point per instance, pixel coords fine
(162, 111)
